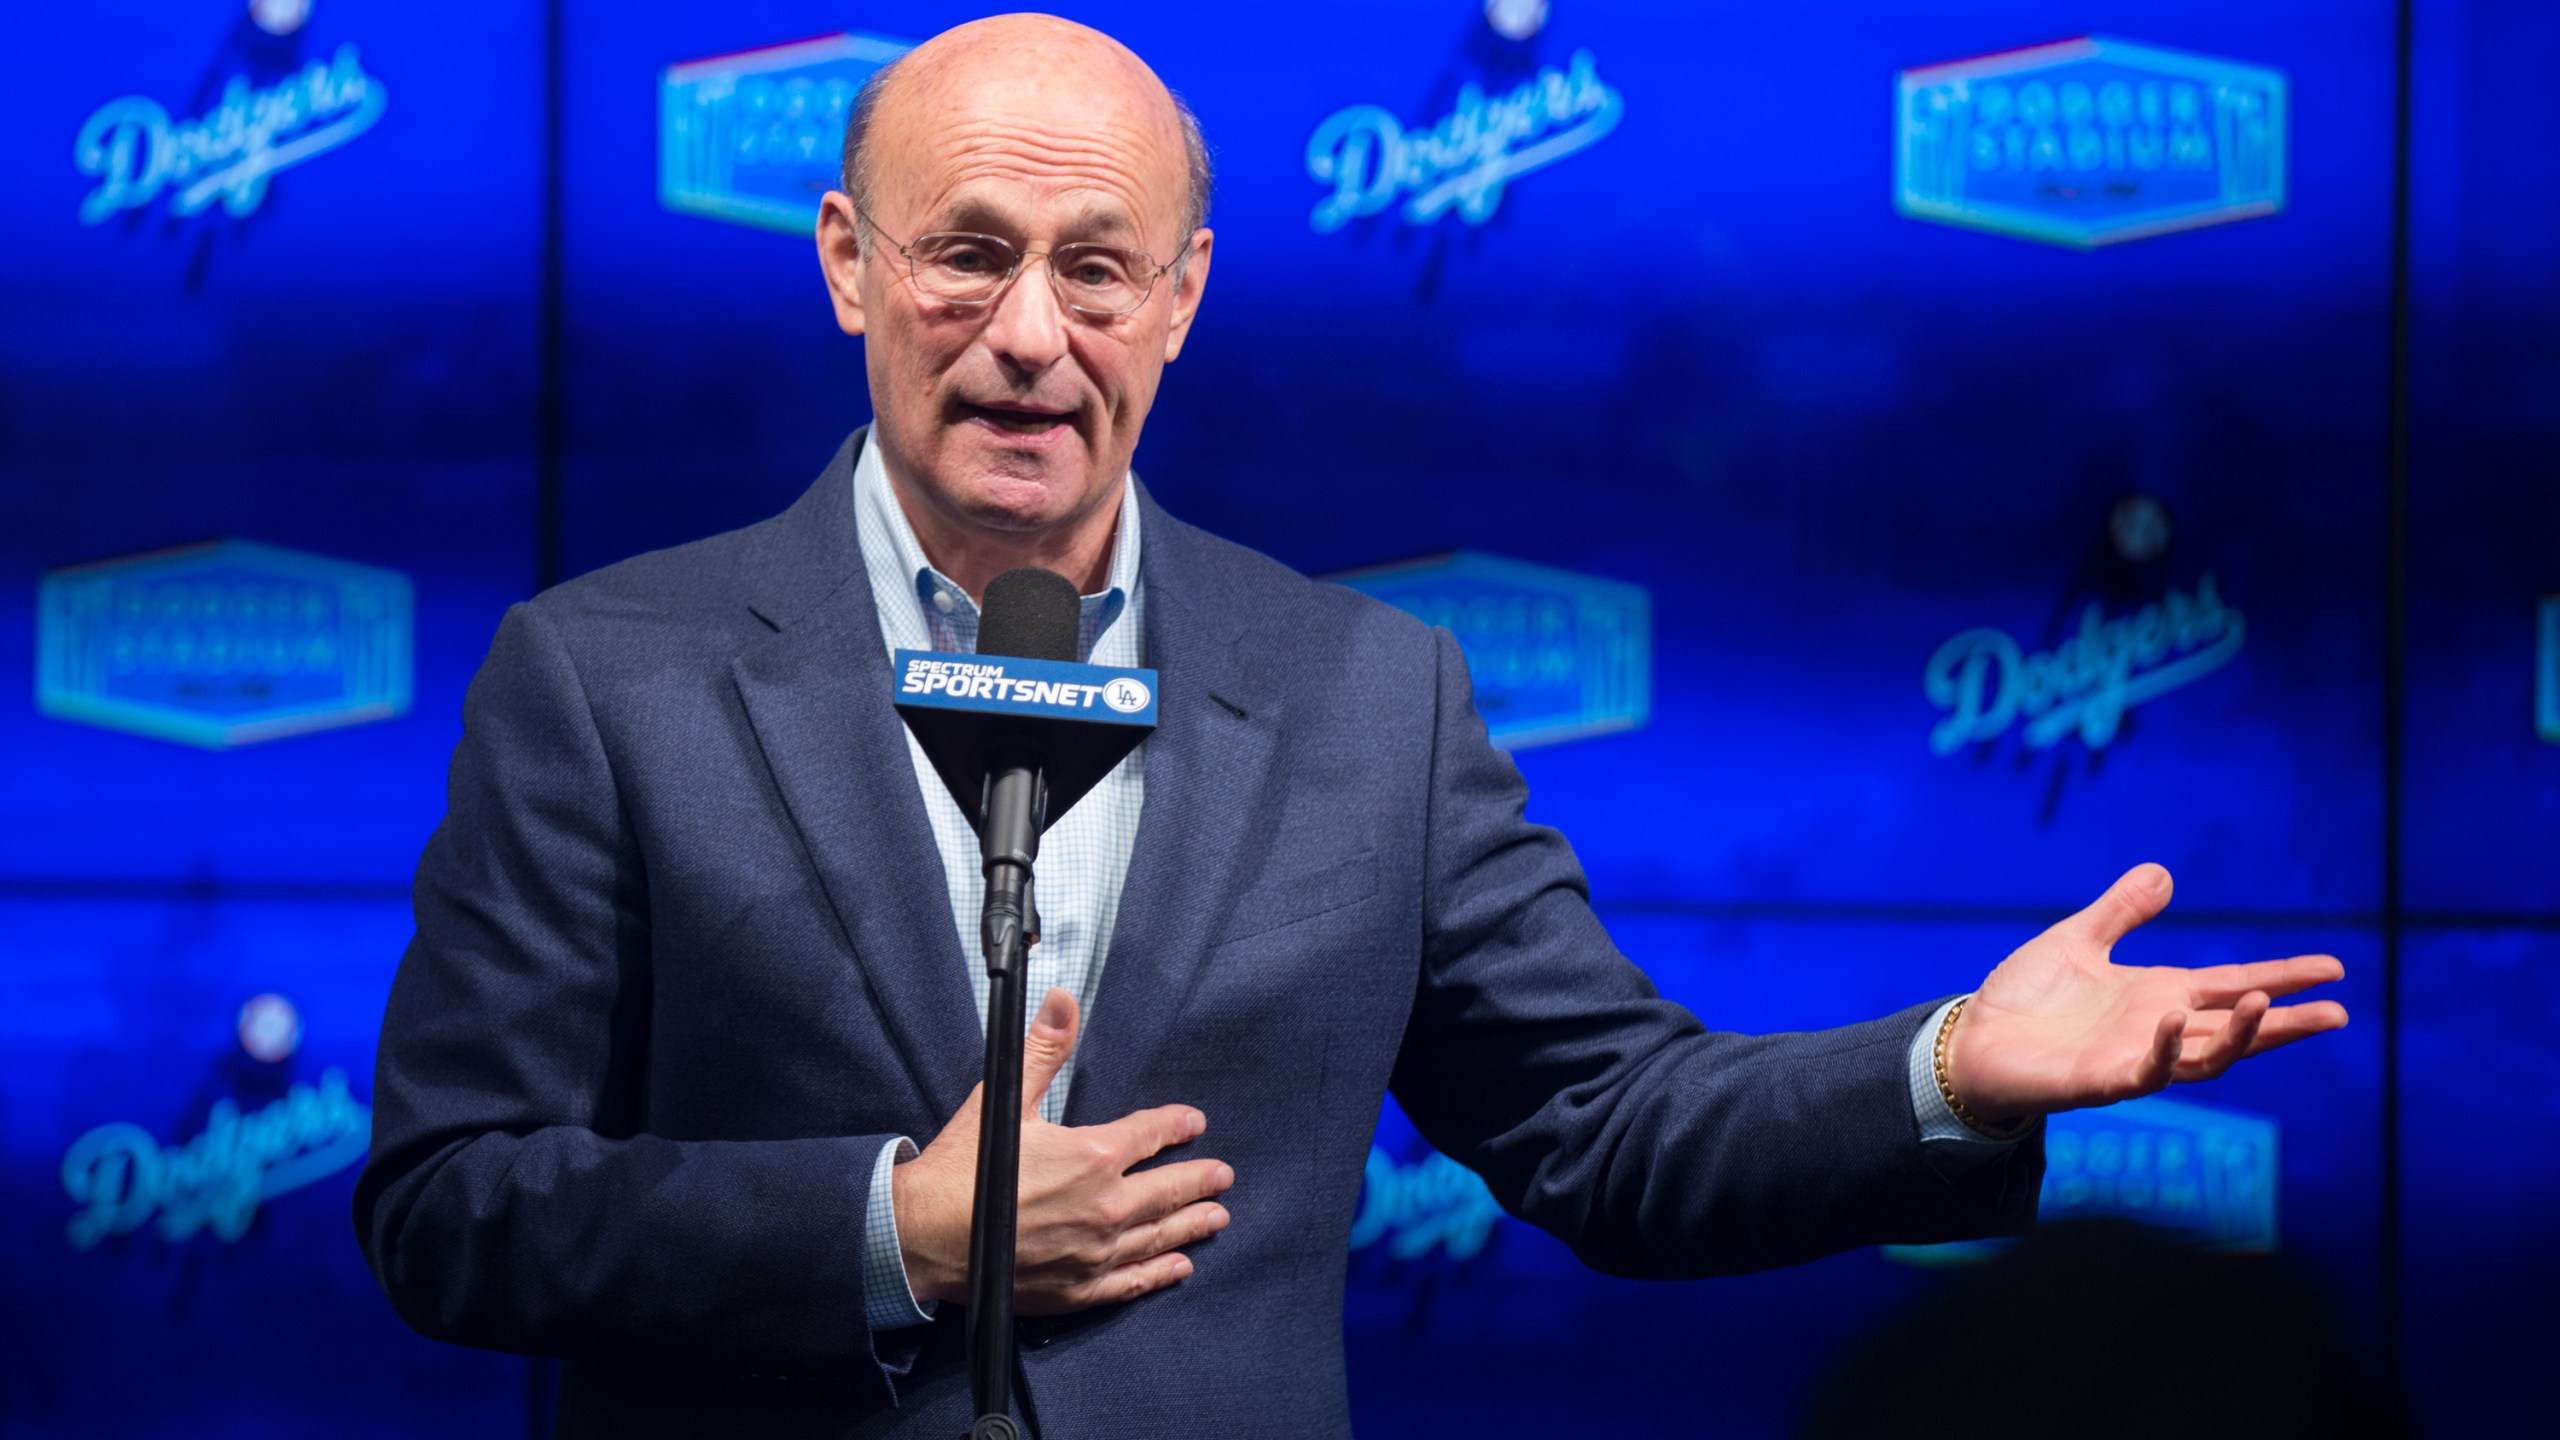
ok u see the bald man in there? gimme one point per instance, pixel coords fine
(676, 1080)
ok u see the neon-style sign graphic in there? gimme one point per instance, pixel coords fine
(121, 1177)
(1553, 655)
(1465, 161)
(1986, 681)
(1433, 1204)
(756, 138)
(2546, 671)
(232, 151)
(224, 644)
(2205, 1174)
(2089, 142)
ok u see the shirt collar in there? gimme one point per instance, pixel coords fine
(923, 609)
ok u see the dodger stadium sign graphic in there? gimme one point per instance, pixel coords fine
(1553, 655)
(2090, 142)
(755, 138)
(224, 644)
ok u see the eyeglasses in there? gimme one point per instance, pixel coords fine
(957, 268)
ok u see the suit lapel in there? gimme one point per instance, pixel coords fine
(817, 696)
(1207, 772)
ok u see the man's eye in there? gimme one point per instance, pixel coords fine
(1096, 272)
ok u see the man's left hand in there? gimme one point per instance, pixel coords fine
(2060, 1026)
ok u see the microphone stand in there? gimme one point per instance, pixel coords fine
(1016, 798)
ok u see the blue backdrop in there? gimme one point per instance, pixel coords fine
(495, 295)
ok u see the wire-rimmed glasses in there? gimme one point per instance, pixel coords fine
(958, 268)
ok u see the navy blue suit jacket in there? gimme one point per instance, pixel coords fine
(684, 961)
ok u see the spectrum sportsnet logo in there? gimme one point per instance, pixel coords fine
(1465, 160)
(231, 152)
(987, 680)
(2089, 142)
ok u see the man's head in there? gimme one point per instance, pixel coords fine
(1012, 420)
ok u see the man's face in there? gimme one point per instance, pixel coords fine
(1018, 415)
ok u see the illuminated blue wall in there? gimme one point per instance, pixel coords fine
(1717, 348)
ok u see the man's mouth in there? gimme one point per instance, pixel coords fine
(1018, 419)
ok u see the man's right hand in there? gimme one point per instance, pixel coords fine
(1088, 1232)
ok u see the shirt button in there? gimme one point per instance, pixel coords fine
(942, 601)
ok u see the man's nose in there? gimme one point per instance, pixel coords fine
(1028, 330)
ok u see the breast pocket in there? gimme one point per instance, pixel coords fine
(1302, 896)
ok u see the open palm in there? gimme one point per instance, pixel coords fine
(2061, 1026)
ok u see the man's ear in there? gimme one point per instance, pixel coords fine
(840, 257)
(1194, 271)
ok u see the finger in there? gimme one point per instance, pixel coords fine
(1187, 1226)
(2218, 986)
(2289, 1023)
(1045, 1048)
(2152, 1072)
(2216, 1053)
(1131, 1281)
(1141, 1133)
(1168, 1188)
(2137, 895)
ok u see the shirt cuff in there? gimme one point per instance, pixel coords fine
(887, 1301)
(1941, 1133)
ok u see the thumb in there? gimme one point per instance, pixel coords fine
(2139, 894)
(1045, 1048)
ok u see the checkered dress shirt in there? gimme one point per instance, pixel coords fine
(1084, 857)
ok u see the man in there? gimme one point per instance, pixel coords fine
(695, 945)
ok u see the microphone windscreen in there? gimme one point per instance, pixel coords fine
(1030, 614)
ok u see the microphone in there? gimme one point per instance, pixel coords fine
(1022, 703)
(1019, 732)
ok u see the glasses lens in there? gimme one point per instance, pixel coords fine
(965, 268)
(1102, 279)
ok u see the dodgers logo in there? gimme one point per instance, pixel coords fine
(1466, 159)
(2090, 142)
(223, 645)
(1125, 695)
(1986, 681)
(230, 153)
(121, 1177)
(756, 138)
(1433, 1204)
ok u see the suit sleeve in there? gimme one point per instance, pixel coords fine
(1541, 1058)
(514, 1197)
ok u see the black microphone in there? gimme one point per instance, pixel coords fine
(1022, 703)
(1029, 614)
(1018, 732)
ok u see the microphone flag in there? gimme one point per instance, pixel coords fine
(974, 714)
